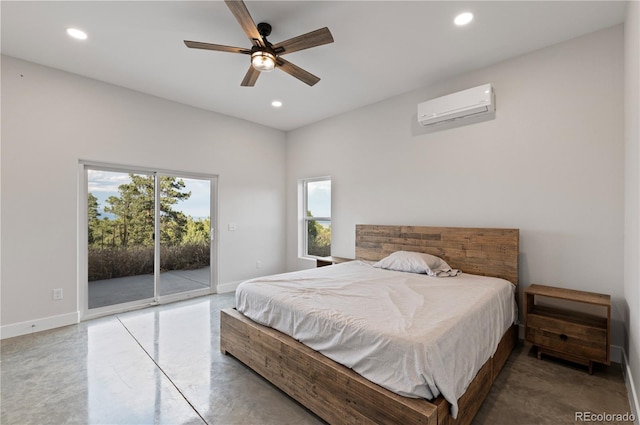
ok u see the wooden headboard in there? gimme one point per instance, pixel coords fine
(487, 252)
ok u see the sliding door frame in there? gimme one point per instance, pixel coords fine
(82, 243)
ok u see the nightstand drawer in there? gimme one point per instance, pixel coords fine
(572, 338)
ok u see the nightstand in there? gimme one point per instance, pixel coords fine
(327, 261)
(580, 337)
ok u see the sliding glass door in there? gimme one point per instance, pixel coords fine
(120, 227)
(185, 234)
(149, 237)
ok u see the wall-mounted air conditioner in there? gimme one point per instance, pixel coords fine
(464, 104)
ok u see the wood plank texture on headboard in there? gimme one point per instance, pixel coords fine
(482, 251)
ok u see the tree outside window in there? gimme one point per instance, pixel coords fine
(317, 205)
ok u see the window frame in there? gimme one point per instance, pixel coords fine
(305, 218)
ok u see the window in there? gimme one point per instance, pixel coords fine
(316, 223)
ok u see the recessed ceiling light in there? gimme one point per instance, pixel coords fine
(77, 34)
(463, 18)
(276, 103)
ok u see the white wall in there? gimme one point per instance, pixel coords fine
(51, 119)
(632, 199)
(550, 164)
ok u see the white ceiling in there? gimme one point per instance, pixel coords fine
(381, 48)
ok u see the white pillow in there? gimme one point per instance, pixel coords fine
(417, 262)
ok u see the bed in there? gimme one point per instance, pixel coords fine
(337, 393)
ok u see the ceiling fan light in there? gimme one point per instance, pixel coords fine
(263, 61)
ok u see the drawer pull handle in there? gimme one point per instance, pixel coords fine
(564, 337)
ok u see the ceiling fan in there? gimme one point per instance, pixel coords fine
(265, 56)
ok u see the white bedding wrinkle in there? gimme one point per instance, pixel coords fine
(416, 335)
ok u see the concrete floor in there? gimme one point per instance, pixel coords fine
(162, 365)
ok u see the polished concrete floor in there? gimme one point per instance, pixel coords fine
(162, 365)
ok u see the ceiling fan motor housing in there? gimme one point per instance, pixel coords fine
(264, 29)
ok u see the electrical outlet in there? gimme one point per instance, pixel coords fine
(57, 294)
(258, 264)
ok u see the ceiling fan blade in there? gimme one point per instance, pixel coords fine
(250, 77)
(216, 47)
(295, 71)
(240, 11)
(305, 41)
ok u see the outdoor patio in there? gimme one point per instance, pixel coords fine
(132, 288)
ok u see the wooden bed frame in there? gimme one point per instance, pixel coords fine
(339, 395)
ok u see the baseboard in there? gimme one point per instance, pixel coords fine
(228, 287)
(38, 325)
(46, 323)
(631, 388)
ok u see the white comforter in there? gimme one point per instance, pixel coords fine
(415, 335)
